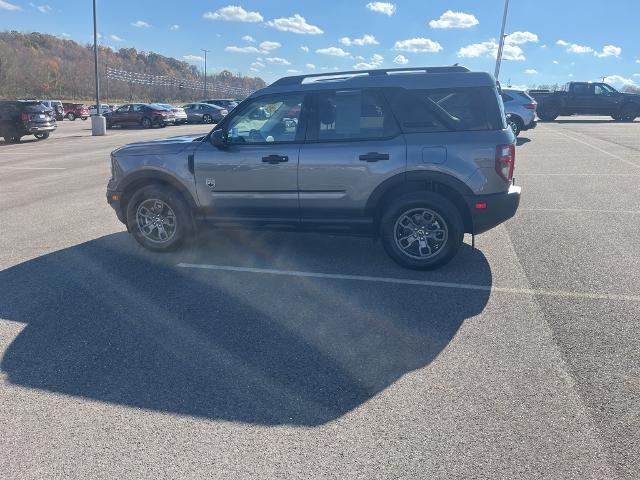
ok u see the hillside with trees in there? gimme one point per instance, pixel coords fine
(37, 65)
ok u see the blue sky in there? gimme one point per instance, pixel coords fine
(551, 41)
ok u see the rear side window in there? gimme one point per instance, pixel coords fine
(506, 98)
(447, 109)
(352, 115)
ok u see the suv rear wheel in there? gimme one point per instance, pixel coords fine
(146, 123)
(71, 116)
(41, 136)
(422, 230)
(159, 218)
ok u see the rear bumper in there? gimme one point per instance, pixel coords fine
(498, 208)
(35, 128)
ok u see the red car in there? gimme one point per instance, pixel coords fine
(146, 115)
(75, 110)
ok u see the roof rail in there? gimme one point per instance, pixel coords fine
(298, 79)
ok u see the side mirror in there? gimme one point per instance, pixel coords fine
(219, 138)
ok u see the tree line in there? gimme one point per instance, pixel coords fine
(38, 65)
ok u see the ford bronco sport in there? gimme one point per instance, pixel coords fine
(416, 156)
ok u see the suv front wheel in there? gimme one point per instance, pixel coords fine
(422, 230)
(159, 218)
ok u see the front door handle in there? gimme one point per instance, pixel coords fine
(374, 157)
(273, 159)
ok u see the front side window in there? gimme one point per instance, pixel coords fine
(447, 109)
(136, 108)
(267, 120)
(352, 115)
(123, 109)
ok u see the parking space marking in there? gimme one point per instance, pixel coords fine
(2, 167)
(613, 155)
(578, 210)
(422, 283)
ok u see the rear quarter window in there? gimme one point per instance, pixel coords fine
(447, 109)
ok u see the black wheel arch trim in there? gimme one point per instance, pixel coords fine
(421, 180)
(145, 177)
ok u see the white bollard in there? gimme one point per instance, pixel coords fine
(98, 125)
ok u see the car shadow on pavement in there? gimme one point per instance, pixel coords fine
(522, 140)
(108, 321)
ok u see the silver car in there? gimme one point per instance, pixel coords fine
(520, 110)
(416, 157)
(204, 113)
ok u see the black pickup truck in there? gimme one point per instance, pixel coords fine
(588, 98)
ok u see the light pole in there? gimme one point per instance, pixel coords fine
(502, 39)
(98, 122)
(205, 71)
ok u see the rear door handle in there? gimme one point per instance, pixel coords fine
(273, 159)
(374, 157)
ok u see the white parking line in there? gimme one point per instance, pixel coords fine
(578, 175)
(613, 155)
(578, 210)
(31, 168)
(422, 283)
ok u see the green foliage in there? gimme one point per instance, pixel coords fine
(38, 65)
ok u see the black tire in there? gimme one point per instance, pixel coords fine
(549, 113)
(515, 123)
(206, 118)
(162, 125)
(617, 117)
(451, 221)
(146, 122)
(629, 112)
(10, 134)
(84, 119)
(172, 199)
(42, 136)
(71, 116)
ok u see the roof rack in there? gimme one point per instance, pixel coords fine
(298, 79)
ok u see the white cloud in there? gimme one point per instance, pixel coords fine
(294, 71)
(575, 48)
(360, 58)
(233, 13)
(451, 19)
(295, 24)
(257, 65)
(247, 49)
(401, 60)
(304, 48)
(9, 6)
(140, 24)
(278, 61)
(490, 49)
(375, 62)
(333, 51)
(519, 38)
(193, 58)
(310, 66)
(417, 45)
(385, 8)
(41, 8)
(556, 62)
(531, 71)
(254, 69)
(174, 27)
(249, 38)
(609, 51)
(116, 38)
(562, 43)
(66, 35)
(570, 75)
(636, 74)
(268, 46)
(619, 79)
(359, 42)
(638, 60)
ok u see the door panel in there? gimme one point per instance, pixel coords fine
(335, 183)
(236, 182)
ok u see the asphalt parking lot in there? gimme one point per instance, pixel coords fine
(275, 355)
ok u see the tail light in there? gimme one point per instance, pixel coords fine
(530, 106)
(505, 161)
(25, 117)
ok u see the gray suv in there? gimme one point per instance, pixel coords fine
(416, 157)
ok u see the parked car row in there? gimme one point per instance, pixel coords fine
(150, 115)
